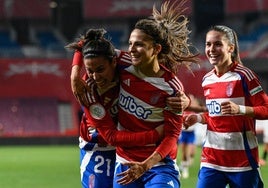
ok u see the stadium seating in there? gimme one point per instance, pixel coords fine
(29, 117)
(8, 46)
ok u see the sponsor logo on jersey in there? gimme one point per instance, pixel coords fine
(127, 82)
(129, 104)
(214, 107)
(97, 111)
(255, 90)
(171, 183)
(155, 98)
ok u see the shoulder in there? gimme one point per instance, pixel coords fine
(173, 81)
(208, 74)
(123, 57)
(245, 72)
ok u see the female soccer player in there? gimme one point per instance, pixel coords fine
(234, 99)
(157, 46)
(101, 62)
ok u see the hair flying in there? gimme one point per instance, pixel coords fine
(168, 27)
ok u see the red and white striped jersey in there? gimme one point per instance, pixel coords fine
(142, 101)
(108, 131)
(142, 107)
(231, 140)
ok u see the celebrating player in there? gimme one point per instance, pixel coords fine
(234, 99)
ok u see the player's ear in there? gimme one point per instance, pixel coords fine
(114, 61)
(157, 49)
(231, 49)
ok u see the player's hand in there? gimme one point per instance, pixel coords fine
(189, 120)
(79, 89)
(178, 103)
(136, 170)
(228, 108)
(160, 130)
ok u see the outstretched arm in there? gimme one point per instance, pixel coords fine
(102, 120)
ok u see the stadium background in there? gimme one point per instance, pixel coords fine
(36, 102)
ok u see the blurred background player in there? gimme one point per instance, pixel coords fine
(187, 139)
(263, 124)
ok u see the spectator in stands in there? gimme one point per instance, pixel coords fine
(234, 99)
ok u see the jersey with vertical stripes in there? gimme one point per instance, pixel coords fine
(231, 139)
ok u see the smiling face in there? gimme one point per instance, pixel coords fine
(101, 70)
(141, 48)
(218, 49)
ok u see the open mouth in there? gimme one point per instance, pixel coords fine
(101, 83)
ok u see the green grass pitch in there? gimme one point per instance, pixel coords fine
(58, 167)
(193, 170)
(39, 167)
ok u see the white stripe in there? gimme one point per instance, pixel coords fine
(176, 84)
(120, 159)
(226, 169)
(229, 141)
(247, 72)
(227, 77)
(85, 162)
(82, 144)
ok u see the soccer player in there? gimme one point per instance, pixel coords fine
(157, 46)
(234, 99)
(187, 139)
(264, 124)
(101, 60)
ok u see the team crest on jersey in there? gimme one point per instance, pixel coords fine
(154, 99)
(97, 111)
(229, 89)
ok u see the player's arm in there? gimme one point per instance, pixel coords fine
(106, 127)
(172, 129)
(102, 120)
(78, 85)
(257, 107)
(182, 102)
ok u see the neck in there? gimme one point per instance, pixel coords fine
(220, 70)
(151, 69)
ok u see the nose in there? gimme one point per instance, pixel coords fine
(95, 76)
(212, 47)
(131, 48)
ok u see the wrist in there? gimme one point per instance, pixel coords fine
(242, 109)
(199, 118)
(190, 101)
